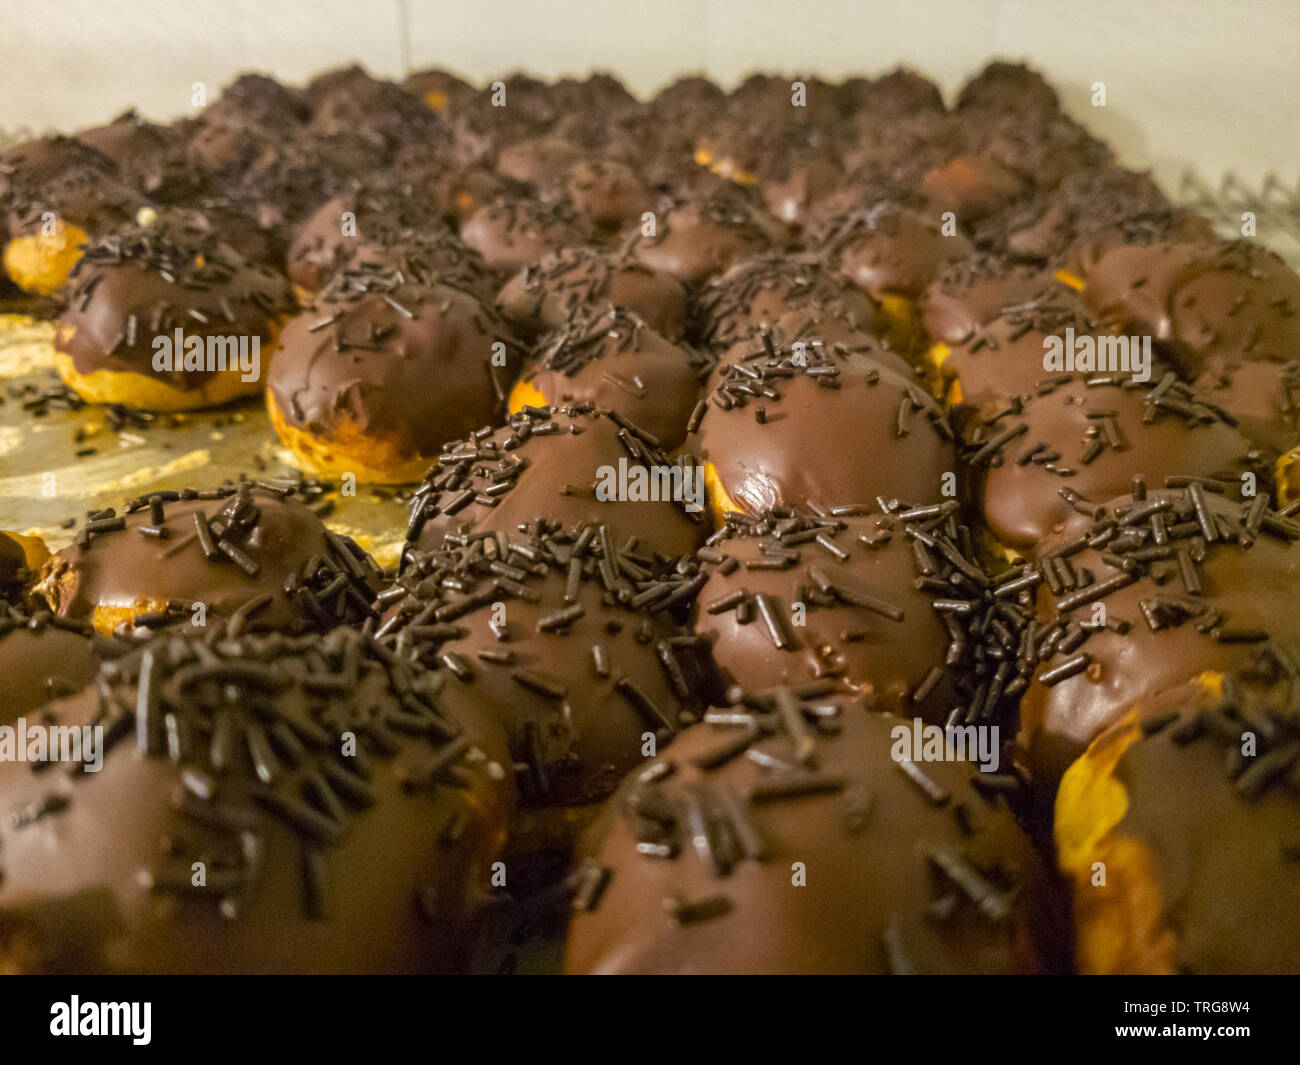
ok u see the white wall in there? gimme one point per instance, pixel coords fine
(1213, 84)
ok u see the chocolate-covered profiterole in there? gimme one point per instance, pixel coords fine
(56, 194)
(568, 638)
(21, 557)
(150, 157)
(44, 657)
(607, 193)
(794, 424)
(611, 357)
(541, 160)
(265, 804)
(1089, 212)
(361, 222)
(1002, 86)
(165, 317)
(893, 253)
(246, 552)
(1142, 596)
(896, 94)
(697, 238)
(785, 835)
(971, 187)
(381, 371)
(878, 602)
(1087, 437)
(440, 90)
(544, 296)
(561, 465)
(1205, 305)
(1264, 397)
(765, 287)
(1198, 838)
(513, 232)
(889, 251)
(1007, 356)
(974, 291)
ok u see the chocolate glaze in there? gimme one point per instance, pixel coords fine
(1003, 358)
(973, 292)
(794, 195)
(512, 233)
(550, 458)
(1205, 304)
(1246, 586)
(43, 658)
(1263, 397)
(725, 898)
(540, 160)
(396, 360)
(888, 250)
(794, 453)
(311, 578)
(606, 192)
(698, 238)
(1091, 435)
(146, 282)
(545, 296)
(971, 187)
(318, 858)
(862, 620)
(612, 358)
(576, 718)
(383, 216)
(151, 157)
(74, 181)
(1218, 848)
(766, 287)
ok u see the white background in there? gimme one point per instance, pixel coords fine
(1213, 85)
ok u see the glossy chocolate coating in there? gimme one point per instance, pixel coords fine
(320, 853)
(1262, 396)
(755, 881)
(397, 361)
(1093, 439)
(1203, 858)
(1205, 304)
(42, 659)
(702, 237)
(867, 433)
(141, 284)
(764, 288)
(885, 250)
(861, 618)
(970, 294)
(513, 233)
(1004, 357)
(1246, 586)
(379, 219)
(545, 296)
(551, 460)
(577, 674)
(613, 359)
(123, 569)
(150, 156)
